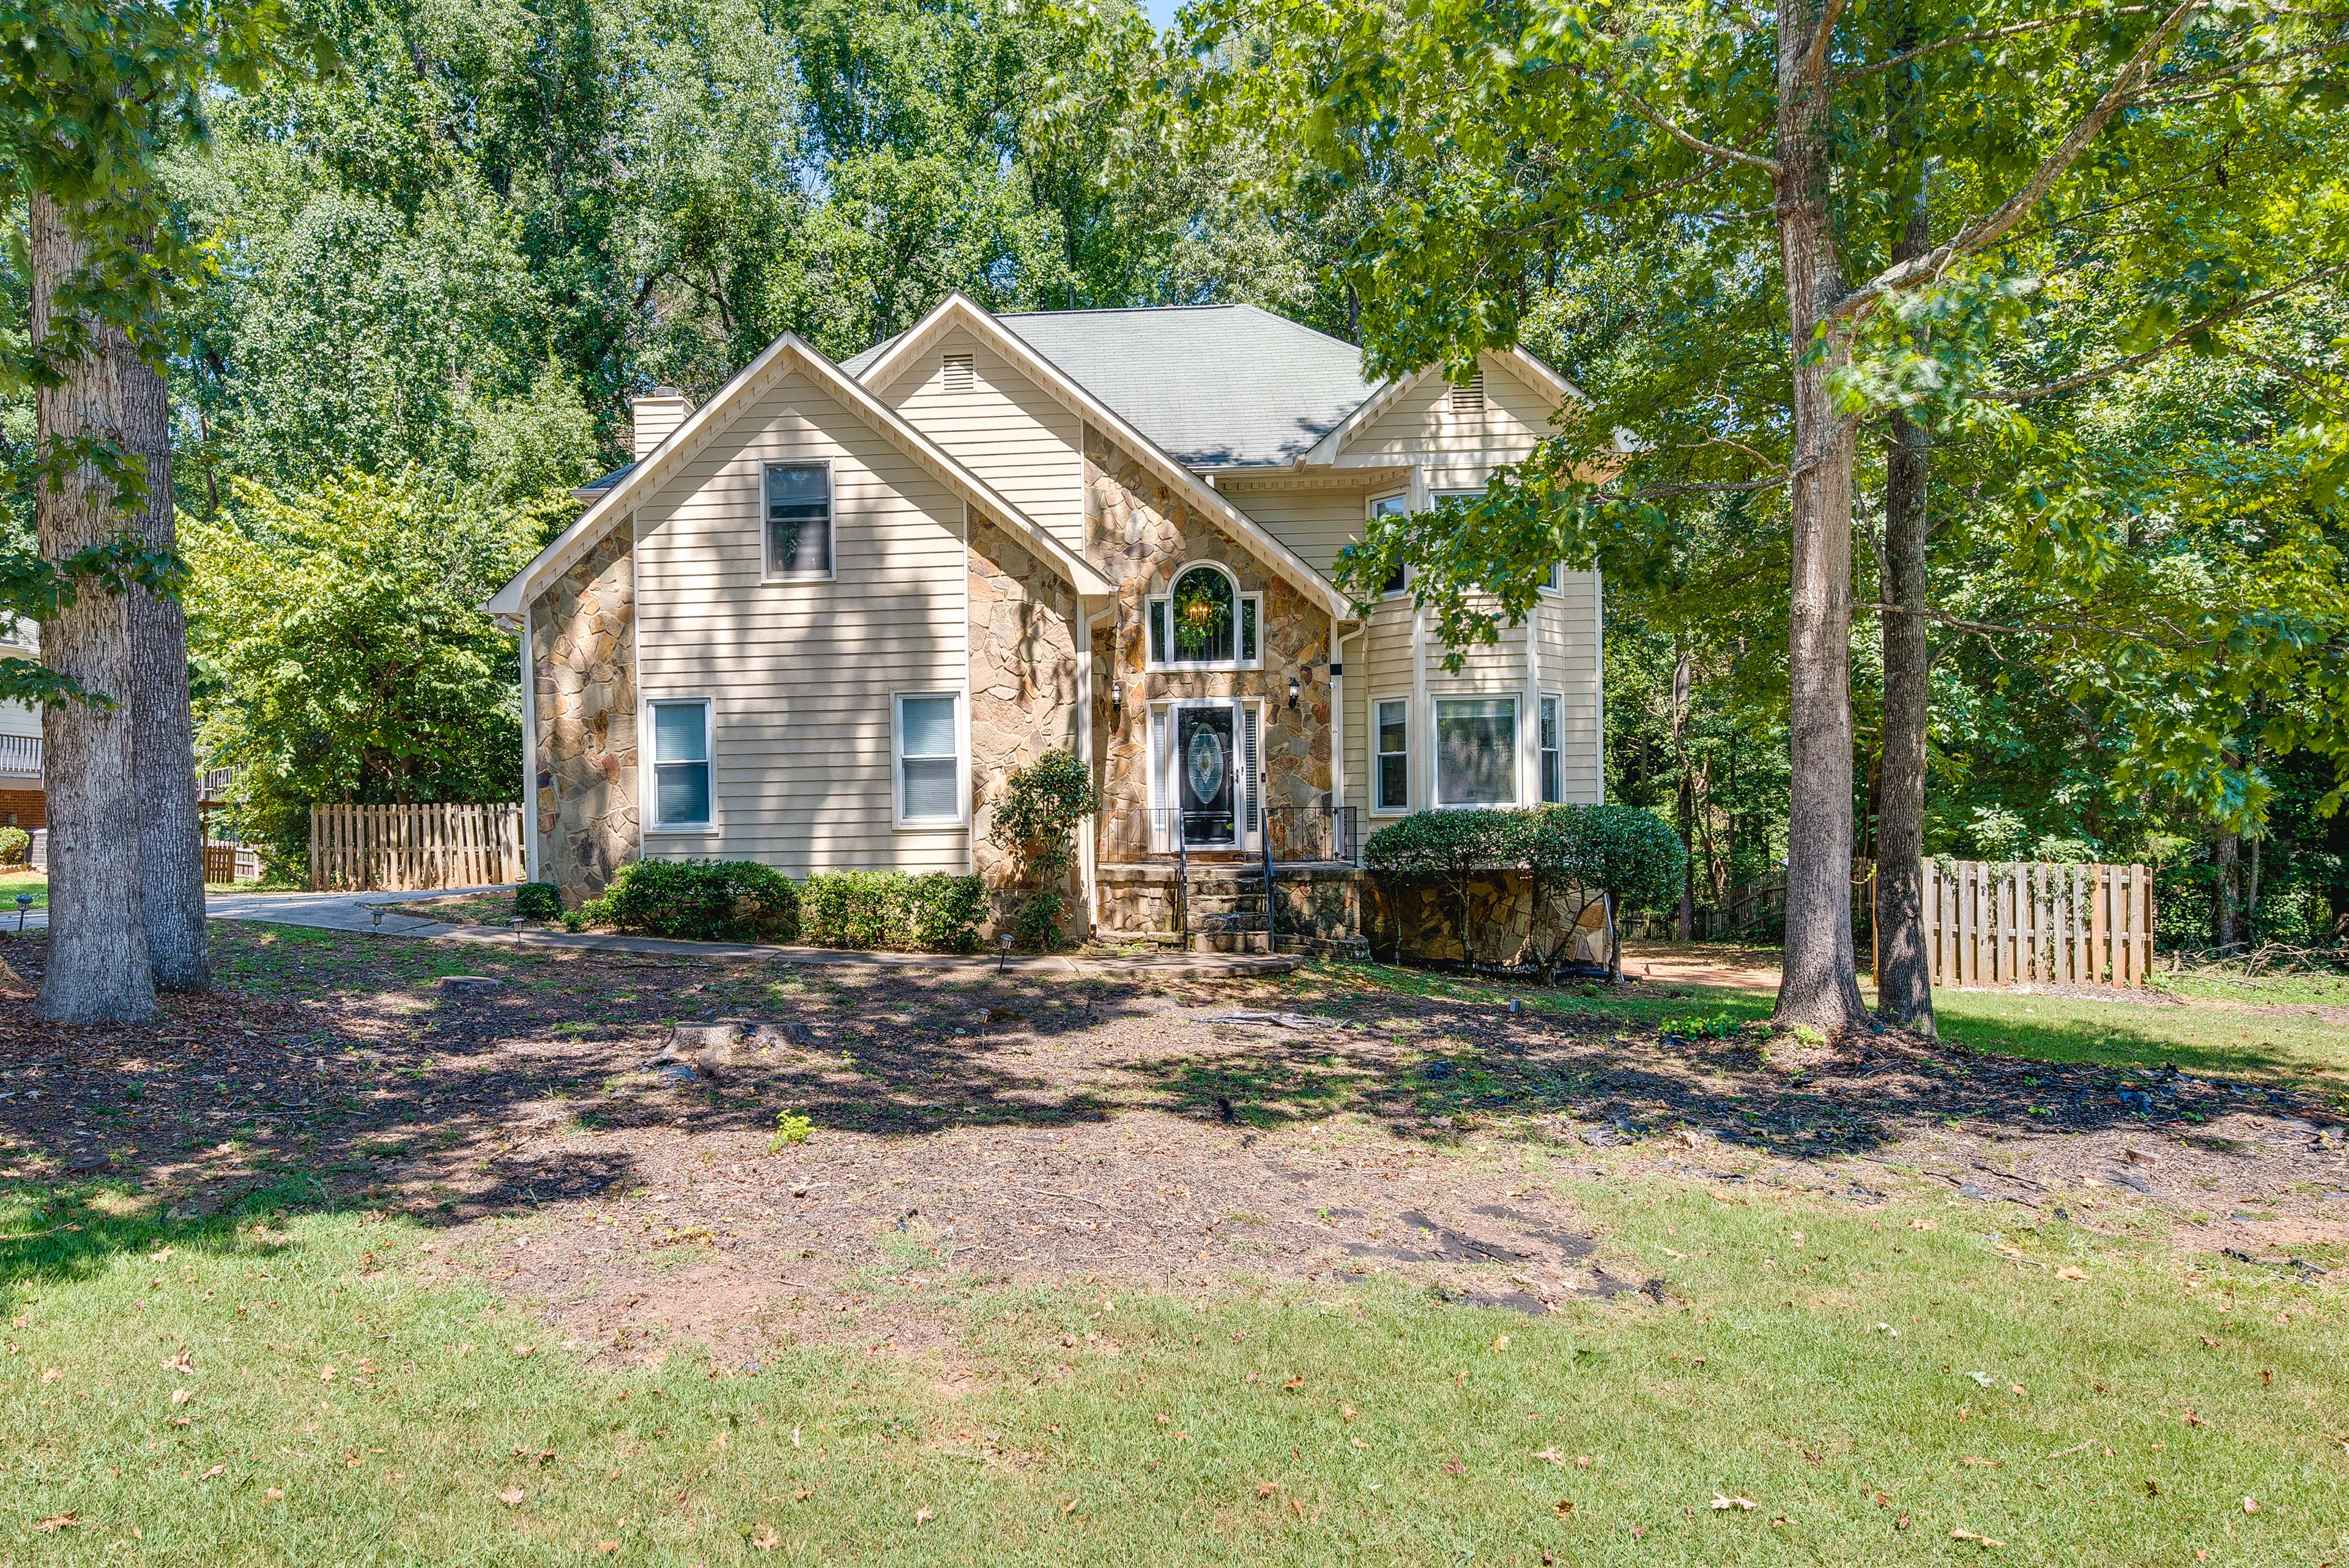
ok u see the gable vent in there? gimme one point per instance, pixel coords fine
(959, 375)
(1468, 397)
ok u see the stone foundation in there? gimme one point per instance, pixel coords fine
(1419, 922)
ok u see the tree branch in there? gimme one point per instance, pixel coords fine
(2218, 319)
(1695, 144)
(1814, 61)
(1983, 36)
(1973, 237)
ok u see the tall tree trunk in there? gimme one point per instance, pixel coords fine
(2336, 890)
(2223, 935)
(97, 970)
(1685, 926)
(171, 827)
(1904, 986)
(1818, 985)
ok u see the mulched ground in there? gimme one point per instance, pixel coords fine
(1175, 1134)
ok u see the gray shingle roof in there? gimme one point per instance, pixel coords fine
(1215, 385)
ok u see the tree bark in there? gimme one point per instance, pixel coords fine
(1904, 986)
(170, 826)
(1818, 986)
(1684, 928)
(2223, 934)
(2336, 891)
(97, 969)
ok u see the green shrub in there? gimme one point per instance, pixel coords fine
(538, 900)
(1042, 805)
(865, 909)
(701, 900)
(791, 1126)
(943, 913)
(14, 842)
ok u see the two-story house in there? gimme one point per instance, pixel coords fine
(819, 618)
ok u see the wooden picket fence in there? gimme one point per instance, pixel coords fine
(225, 862)
(397, 847)
(1996, 924)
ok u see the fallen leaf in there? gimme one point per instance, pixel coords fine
(767, 1539)
(1454, 1468)
(208, 1474)
(326, 1375)
(181, 1396)
(163, 1256)
(1563, 1508)
(59, 1522)
(1741, 1503)
(1070, 1506)
(2251, 1505)
(608, 1546)
(922, 1516)
(1923, 1225)
(1295, 1381)
(523, 1349)
(2208, 1342)
(2192, 1419)
(1970, 1535)
(1500, 1342)
(182, 1364)
(276, 1494)
(1266, 1489)
(512, 1497)
(50, 1374)
(1583, 1462)
(2069, 1273)
(1346, 1412)
(1553, 1456)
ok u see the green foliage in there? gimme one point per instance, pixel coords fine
(790, 1128)
(700, 900)
(344, 653)
(538, 902)
(936, 912)
(1697, 1027)
(1042, 805)
(14, 842)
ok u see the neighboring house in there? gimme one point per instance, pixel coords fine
(819, 619)
(23, 798)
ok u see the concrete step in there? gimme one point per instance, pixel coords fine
(1256, 942)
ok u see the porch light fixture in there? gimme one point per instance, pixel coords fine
(1117, 696)
(1293, 692)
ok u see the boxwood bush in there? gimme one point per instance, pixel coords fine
(701, 900)
(890, 909)
(538, 900)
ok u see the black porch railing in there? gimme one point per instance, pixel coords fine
(1321, 834)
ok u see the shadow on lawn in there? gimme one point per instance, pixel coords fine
(331, 1069)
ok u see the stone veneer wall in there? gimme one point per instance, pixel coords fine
(1023, 676)
(1140, 533)
(583, 632)
(1410, 920)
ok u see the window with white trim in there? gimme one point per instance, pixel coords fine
(1392, 506)
(799, 520)
(1390, 761)
(1204, 622)
(1476, 751)
(681, 750)
(928, 746)
(1552, 774)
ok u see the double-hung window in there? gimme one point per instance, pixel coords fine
(680, 737)
(1391, 732)
(1392, 506)
(929, 727)
(1476, 751)
(799, 520)
(1553, 781)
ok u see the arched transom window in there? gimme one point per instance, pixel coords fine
(1204, 622)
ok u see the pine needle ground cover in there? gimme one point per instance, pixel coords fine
(1919, 1342)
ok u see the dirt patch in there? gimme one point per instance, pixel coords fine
(963, 1130)
(1688, 963)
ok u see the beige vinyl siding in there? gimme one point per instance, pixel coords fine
(1386, 667)
(1455, 448)
(801, 674)
(1005, 429)
(1567, 627)
(16, 719)
(1316, 523)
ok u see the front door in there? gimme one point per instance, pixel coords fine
(1206, 765)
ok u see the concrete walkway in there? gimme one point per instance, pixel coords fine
(357, 911)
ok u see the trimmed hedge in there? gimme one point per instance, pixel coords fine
(538, 900)
(14, 842)
(890, 909)
(700, 900)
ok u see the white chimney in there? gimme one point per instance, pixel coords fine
(655, 414)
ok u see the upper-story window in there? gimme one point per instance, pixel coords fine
(1204, 622)
(799, 520)
(1392, 506)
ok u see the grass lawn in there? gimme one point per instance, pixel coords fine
(1885, 1370)
(12, 883)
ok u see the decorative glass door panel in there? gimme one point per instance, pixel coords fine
(1206, 766)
